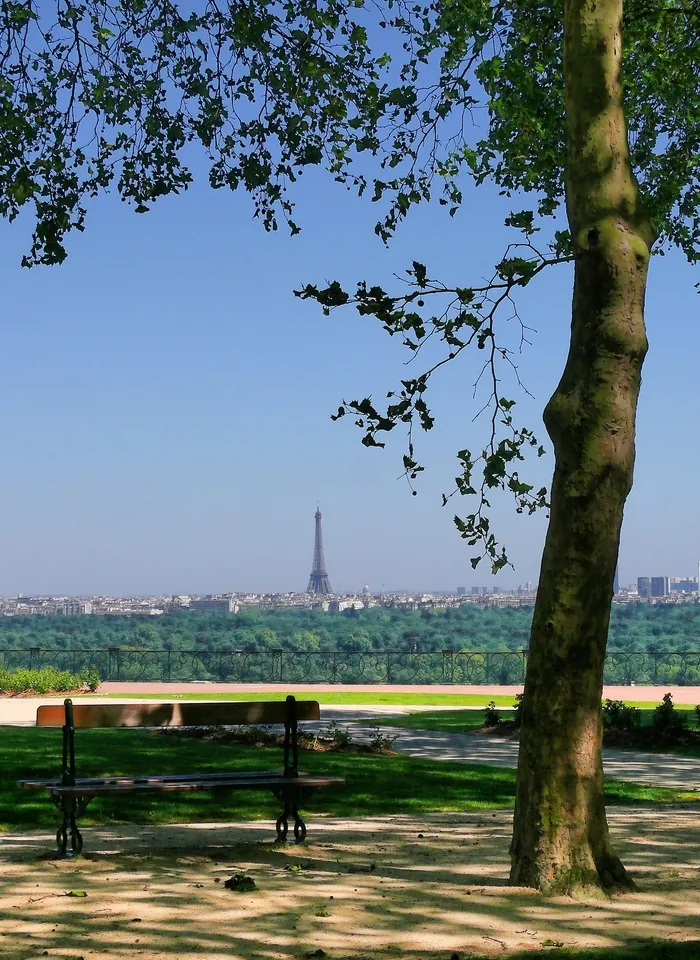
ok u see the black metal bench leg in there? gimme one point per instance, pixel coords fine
(291, 809)
(282, 824)
(299, 827)
(68, 833)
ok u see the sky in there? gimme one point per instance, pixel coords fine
(165, 405)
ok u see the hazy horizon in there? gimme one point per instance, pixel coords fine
(166, 406)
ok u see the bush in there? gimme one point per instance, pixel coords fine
(47, 680)
(336, 733)
(491, 715)
(518, 707)
(90, 678)
(617, 714)
(380, 742)
(666, 717)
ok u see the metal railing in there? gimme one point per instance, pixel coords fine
(334, 666)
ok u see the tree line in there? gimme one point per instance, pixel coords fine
(633, 627)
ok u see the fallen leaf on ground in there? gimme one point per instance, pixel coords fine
(240, 883)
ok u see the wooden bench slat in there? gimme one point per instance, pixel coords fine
(186, 786)
(178, 714)
(175, 777)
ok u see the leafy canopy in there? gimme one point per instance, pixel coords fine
(410, 100)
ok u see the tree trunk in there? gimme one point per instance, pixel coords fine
(560, 837)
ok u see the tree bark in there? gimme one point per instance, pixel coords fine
(560, 838)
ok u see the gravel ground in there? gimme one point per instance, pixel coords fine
(389, 888)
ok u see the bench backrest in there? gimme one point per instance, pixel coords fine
(188, 714)
(183, 714)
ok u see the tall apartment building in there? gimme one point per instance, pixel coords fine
(660, 586)
(77, 608)
(643, 586)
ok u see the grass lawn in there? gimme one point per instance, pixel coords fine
(443, 721)
(340, 697)
(375, 784)
(457, 721)
(360, 698)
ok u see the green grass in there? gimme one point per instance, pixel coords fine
(375, 784)
(443, 721)
(348, 697)
(360, 698)
(649, 705)
(460, 721)
(457, 721)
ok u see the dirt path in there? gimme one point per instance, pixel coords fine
(398, 887)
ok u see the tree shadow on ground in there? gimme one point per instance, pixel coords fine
(380, 887)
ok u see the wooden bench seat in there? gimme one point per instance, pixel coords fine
(126, 785)
(72, 794)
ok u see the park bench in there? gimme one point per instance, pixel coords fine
(72, 794)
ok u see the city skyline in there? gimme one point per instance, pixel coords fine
(319, 584)
(643, 586)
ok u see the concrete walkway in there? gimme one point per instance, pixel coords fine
(652, 769)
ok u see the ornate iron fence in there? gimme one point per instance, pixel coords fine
(334, 666)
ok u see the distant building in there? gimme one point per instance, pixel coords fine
(461, 591)
(680, 585)
(660, 587)
(475, 591)
(337, 606)
(643, 586)
(210, 605)
(76, 608)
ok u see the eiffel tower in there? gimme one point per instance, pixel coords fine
(318, 581)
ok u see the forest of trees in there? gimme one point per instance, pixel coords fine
(633, 627)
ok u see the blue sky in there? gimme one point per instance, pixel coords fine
(166, 404)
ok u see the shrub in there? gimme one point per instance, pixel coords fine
(491, 715)
(90, 678)
(618, 714)
(336, 733)
(379, 742)
(666, 717)
(518, 707)
(47, 680)
(697, 715)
